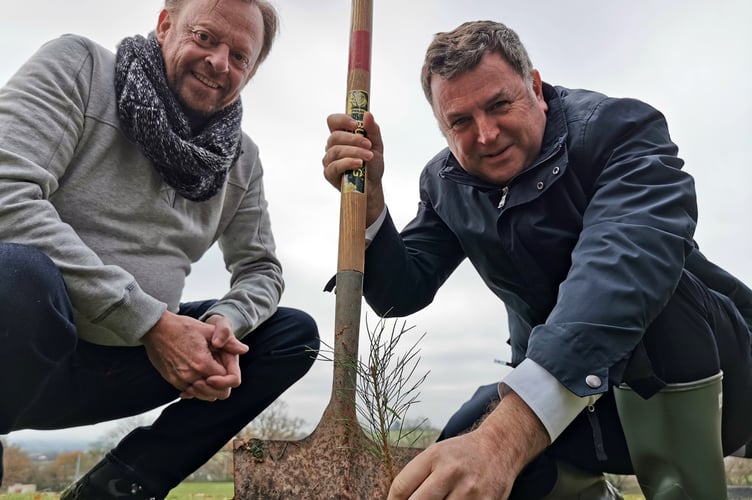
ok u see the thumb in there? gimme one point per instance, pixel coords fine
(223, 339)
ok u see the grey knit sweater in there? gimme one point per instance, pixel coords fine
(73, 186)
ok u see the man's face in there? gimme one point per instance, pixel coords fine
(492, 120)
(210, 48)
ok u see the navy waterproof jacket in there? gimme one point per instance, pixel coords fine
(585, 247)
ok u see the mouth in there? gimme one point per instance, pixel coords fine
(209, 83)
(496, 154)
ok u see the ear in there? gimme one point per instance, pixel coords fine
(537, 85)
(164, 23)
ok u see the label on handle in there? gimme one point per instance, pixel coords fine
(357, 105)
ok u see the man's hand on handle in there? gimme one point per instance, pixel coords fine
(346, 150)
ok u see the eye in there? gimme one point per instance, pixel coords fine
(241, 60)
(499, 106)
(459, 123)
(203, 39)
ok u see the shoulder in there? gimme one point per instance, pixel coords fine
(596, 123)
(70, 48)
(600, 112)
(69, 62)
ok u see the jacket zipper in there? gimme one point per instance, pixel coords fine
(503, 199)
(505, 189)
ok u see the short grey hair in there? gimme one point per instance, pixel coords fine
(458, 51)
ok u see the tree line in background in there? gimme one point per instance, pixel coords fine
(54, 473)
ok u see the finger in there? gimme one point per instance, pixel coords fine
(205, 392)
(342, 157)
(221, 386)
(341, 121)
(373, 131)
(233, 377)
(333, 173)
(410, 478)
(435, 487)
(358, 143)
(224, 339)
(234, 346)
(208, 365)
(232, 365)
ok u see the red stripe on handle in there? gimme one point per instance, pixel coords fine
(360, 50)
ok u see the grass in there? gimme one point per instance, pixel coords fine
(184, 491)
(187, 491)
(204, 491)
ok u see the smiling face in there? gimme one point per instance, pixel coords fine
(210, 49)
(492, 120)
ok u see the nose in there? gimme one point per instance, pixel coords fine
(487, 128)
(219, 58)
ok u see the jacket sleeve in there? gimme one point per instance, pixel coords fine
(248, 248)
(404, 270)
(42, 117)
(636, 232)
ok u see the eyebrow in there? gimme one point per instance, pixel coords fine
(211, 28)
(500, 95)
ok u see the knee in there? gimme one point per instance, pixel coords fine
(307, 336)
(302, 328)
(289, 334)
(309, 330)
(37, 313)
(27, 275)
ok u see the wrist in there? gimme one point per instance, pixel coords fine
(515, 431)
(375, 204)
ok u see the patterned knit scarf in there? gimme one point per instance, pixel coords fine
(195, 165)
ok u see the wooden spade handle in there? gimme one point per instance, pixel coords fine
(353, 199)
(351, 257)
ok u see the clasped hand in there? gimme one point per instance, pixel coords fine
(200, 359)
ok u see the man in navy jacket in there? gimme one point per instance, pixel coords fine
(574, 210)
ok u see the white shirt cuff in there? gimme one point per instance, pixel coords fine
(550, 400)
(374, 228)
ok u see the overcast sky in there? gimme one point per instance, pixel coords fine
(690, 59)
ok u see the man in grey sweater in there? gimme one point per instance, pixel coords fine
(117, 172)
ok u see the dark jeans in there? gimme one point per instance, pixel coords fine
(697, 334)
(53, 380)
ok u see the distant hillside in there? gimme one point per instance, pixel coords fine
(49, 446)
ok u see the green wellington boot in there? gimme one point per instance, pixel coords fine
(573, 483)
(674, 440)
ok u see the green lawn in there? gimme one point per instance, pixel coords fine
(186, 491)
(205, 491)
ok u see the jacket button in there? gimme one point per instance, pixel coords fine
(593, 381)
(555, 170)
(540, 186)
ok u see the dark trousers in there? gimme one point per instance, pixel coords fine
(53, 380)
(697, 334)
